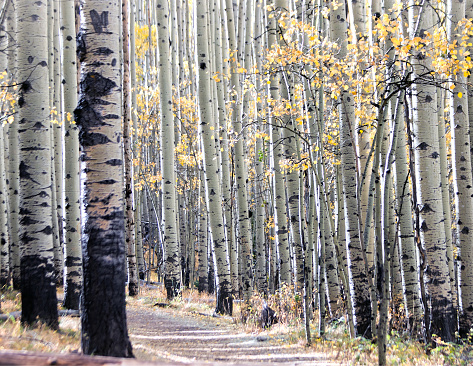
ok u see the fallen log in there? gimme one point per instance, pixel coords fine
(8, 357)
(13, 358)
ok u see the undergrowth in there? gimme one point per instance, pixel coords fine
(289, 330)
(15, 336)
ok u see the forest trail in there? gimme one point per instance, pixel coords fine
(164, 335)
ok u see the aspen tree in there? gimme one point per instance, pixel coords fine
(428, 182)
(358, 281)
(103, 315)
(54, 107)
(58, 129)
(4, 158)
(202, 240)
(260, 161)
(72, 248)
(282, 230)
(240, 116)
(171, 251)
(38, 286)
(222, 33)
(211, 170)
(361, 133)
(446, 203)
(290, 153)
(137, 193)
(462, 174)
(4, 38)
(130, 242)
(4, 238)
(469, 15)
(406, 238)
(239, 57)
(13, 164)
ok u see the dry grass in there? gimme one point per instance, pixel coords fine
(13, 335)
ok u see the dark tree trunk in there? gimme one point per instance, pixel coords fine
(98, 115)
(38, 291)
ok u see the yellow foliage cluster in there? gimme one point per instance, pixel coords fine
(142, 39)
(7, 99)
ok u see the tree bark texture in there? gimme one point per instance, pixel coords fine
(38, 284)
(103, 317)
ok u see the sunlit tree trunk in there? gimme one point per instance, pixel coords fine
(14, 181)
(260, 162)
(282, 230)
(4, 158)
(428, 182)
(410, 267)
(4, 39)
(172, 264)
(137, 193)
(38, 285)
(4, 239)
(103, 315)
(72, 248)
(462, 172)
(202, 240)
(53, 106)
(58, 135)
(358, 280)
(239, 115)
(133, 282)
(290, 153)
(361, 132)
(211, 169)
(446, 199)
(222, 44)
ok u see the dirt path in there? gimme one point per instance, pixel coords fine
(164, 335)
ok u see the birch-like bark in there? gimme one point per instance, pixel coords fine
(4, 238)
(260, 161)
(14, 186)
(446, 199)
(358, 280)
(428, 182)
(171, 251)
(59, 133)
(130, 242)
(409, 265)
(12, 164)
(137, 193)
(213, 188)
(103, 315)
(203, 241)
(361, 133)
(281, 220)
(290, 153)
(38, 285)
(462, 172)
(222, 45)
(72, 248)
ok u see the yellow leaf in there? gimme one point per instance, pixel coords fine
(460, 95)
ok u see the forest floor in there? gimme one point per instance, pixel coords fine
(186, 331)
(162, 334)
